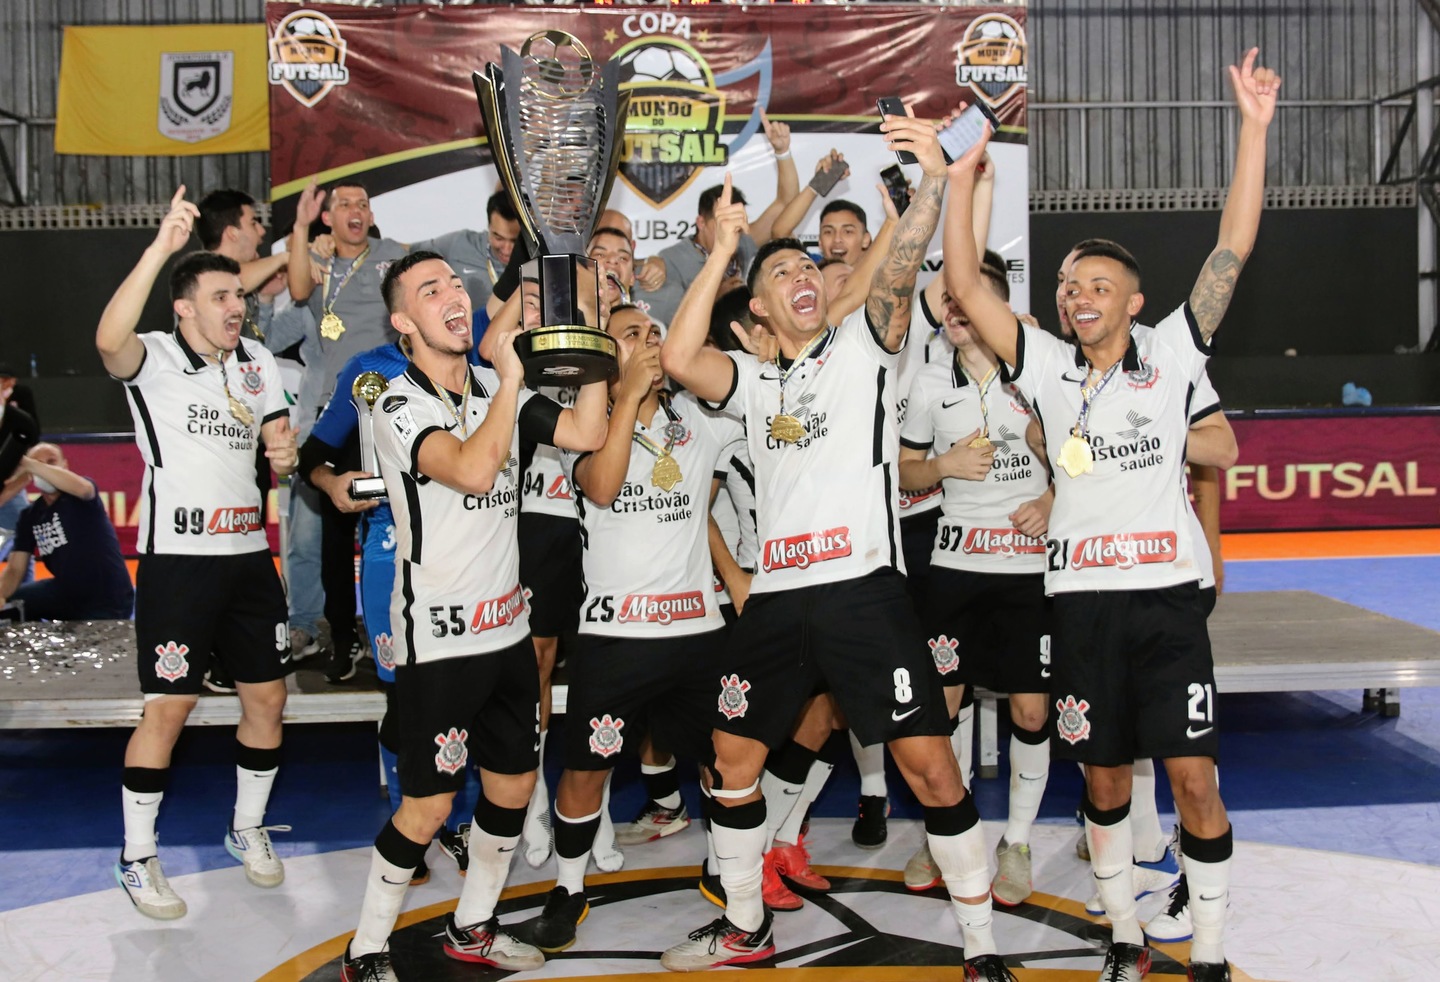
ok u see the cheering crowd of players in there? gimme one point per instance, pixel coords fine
(723, 530)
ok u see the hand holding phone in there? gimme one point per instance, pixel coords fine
(897, 188)
(964, 131)
(828, 173)
(892, 106)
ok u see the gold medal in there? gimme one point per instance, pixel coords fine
(666, 473)
(786, 428)
(239, 410)
(1076, 456)
(331, 326)
(979, 443)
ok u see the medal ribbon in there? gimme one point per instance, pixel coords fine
(328, 306)
(238, 409)
(672, 432)
(459, 413)
(1088, 394)
(983, 387)
(810, 346)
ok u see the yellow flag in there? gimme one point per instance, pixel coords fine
(163, 91)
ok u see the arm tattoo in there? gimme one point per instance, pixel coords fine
(1213, 290)
(894, 283)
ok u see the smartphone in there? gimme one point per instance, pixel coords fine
(896, 187)
(964, 130)
(824, 181)
(892, 106)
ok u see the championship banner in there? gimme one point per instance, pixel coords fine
(162, 91)
(114, 464)
(1374, 470)
(384, 94)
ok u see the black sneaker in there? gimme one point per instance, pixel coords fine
(219, 680)
(1208, 972)
(987, 968)
(421, 874)
(341, 667)
(1125, 963)
(457, 845)
(869, 832)
(367, 968)
(710, 886)
(554, 929)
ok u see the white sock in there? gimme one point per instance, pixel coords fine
(871, 762)
(1209, 885)
(962, 741)
(570, 870)
(965, 865)
(1150, 839)
(607, 855)
(384, 894)
(780, 798)
(489, 866)
(1029, 770)
(789, 831)
(1111, 863)
(739, 860)
(252, 794)
(540, 797)
(140, 809)
(712, 862)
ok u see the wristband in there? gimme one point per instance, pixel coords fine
(783, 156)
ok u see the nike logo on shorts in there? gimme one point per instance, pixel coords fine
(898, 716)
(1195, 734)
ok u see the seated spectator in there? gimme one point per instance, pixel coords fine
(67, 529)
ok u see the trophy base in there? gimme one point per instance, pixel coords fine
(566, 355)
(367, 488)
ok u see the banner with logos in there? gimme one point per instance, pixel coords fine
(1374, 470)
(162, 91)
(385, 94)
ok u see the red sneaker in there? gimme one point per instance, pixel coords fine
(776, 894)
(793, 863)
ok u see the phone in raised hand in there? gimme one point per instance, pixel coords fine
(964, 130)
(896, 187)
(891, 105)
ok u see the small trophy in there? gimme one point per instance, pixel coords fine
(368, 387)
(554, 118)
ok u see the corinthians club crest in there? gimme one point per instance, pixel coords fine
(196, 94)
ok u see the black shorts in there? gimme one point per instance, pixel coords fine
(858, 638)
(990, 629)
(480, 709)
(623, 688)
(1132, 676)
(917, 541)
(190, 607)
(550, 570)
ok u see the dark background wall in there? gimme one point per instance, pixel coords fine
(1335, 284)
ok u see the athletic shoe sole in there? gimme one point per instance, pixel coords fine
(573, 938)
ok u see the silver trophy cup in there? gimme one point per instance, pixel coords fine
(554, 120)
(368, 387)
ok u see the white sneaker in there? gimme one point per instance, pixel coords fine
(1012, 884)
(302, 645)
(1173, 923)
(144, 883)
(654, 822)
(252, 847)
(921, 873)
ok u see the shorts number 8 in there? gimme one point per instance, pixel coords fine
(903, 692)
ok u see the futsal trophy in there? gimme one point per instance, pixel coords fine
(554, 120)
(368, 388)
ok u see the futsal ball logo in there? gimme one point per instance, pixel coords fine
(990, 58)
(307, 56)
(672, 130)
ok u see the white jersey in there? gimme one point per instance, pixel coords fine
(198, 496)
(739, 492)
(925, 344)
(827, 505)
(547, 489)
(1125, 525)
(647, 556)
(975, 532)
(457, 581)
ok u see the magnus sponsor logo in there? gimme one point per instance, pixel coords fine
(1001, 542)
(1124, 550)
(500, 612)
(800, 551)
(225, 521)
(661, 608)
